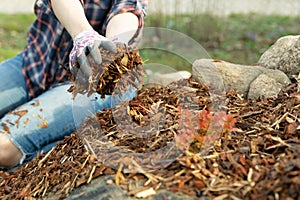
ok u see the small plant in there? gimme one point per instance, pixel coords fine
(201, 130)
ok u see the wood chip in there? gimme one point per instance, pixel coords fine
(146, 193)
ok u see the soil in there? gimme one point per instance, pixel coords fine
(259, 159)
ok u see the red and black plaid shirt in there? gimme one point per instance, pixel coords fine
(49, 44)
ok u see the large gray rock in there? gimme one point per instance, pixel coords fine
(220, 74)
(232, 76)
(268, 84)
(283, 55)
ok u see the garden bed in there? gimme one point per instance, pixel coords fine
(259, 159)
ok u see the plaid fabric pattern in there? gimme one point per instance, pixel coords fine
(46, 56)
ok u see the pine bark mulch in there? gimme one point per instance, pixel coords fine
(259, 161)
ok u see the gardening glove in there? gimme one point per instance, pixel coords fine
(87, 43)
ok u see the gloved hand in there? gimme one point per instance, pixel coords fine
(85, 44)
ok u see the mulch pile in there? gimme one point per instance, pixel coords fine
(260, 160)
(144, 125)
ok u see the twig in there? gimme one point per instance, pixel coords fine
(91, 174)
(45, 157)
(249, 114)
(277, 139)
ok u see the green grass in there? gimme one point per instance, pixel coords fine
(237, 38)
(13, 29)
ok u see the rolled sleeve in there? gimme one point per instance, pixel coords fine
(137, 7)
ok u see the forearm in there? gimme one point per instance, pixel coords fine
(122, 27)
(71, 15)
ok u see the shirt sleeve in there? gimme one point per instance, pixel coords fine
(137, 7)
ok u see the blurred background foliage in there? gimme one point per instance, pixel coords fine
(238, 38)
(13, 29)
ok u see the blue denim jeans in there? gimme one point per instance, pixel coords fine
(36, 125)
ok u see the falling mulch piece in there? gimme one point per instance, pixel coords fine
(36, 103)
(6, 129)
(117, 72)
(20, 113)
(258, 161)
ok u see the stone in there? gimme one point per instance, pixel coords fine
(283, 55)
(221, 75)
(268, 84)
(225, 74)
(100, 189)
(167, 78)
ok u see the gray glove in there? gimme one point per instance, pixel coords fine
(86, 44)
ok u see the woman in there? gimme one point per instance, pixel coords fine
(35, 107)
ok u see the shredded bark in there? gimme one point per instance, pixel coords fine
(260, 160)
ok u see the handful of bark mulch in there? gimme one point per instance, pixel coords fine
(115, 74)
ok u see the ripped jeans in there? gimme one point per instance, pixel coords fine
(36, 125)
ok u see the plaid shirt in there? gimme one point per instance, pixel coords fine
(46, 55)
